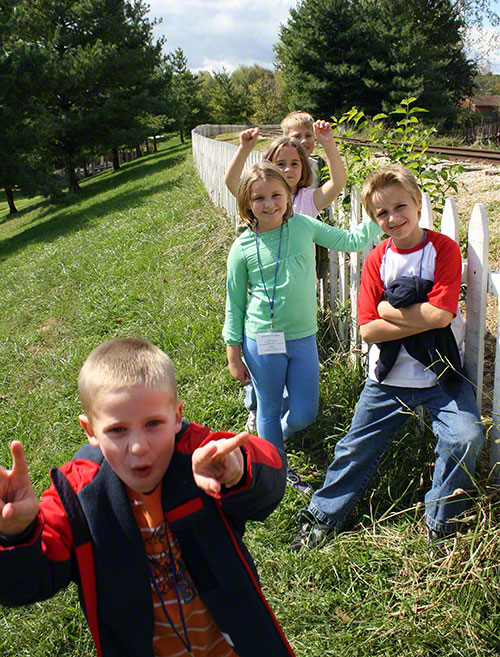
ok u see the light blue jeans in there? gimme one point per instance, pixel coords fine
(380, 412)
(251, 399)
(298, 370)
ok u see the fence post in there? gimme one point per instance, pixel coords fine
(426, 214)
(495, 414)
(355, 277)
(477, 288)
(449, 220)
(343, 286)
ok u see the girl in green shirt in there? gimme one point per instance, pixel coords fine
(273, 328)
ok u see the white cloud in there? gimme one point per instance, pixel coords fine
(217, 33)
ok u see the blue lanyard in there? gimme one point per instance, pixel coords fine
(421, 259)
(271, 301)
(185, 642)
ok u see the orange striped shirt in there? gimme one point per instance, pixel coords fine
(205, 637)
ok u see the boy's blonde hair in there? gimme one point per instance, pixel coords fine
(124, 362)
(262, 171)
(274, 148)
(393, 174)
(297, 118)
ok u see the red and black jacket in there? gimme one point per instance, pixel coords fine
(87, 533)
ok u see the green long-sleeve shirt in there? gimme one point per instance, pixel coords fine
(295, 297)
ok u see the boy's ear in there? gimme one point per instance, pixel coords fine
(89, 431)
(178, 415)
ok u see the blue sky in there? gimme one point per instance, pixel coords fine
(217, 33)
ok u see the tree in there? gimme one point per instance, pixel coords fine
(96, 60)
(265, 92)
(227, 103)
(321, 53)
(25, 161)
(475, 11)
(245, 76)
(338, 53)
(488, 83)
(185, 99)
(420, 54)
(269, 98)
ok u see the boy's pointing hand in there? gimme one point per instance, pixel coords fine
(18, 502)
(219, 462)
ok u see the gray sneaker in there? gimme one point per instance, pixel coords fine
(437, 543)
(312, 533)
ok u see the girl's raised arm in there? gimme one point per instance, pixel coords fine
(248, 141)
(328, 192)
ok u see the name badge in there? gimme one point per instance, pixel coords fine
(271, 343)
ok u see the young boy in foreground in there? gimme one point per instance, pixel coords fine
(147, 519)
(411, 259)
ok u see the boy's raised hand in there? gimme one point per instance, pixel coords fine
(219, 462)
(249, 138)
(18, 502)
(323, 131)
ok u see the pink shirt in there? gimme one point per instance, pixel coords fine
(303, 202)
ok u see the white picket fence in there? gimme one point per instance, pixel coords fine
(211, 158)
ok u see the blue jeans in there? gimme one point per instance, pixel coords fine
(298, 370)
(380, 412)
(251, 399)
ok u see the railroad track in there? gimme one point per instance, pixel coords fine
(451, 152)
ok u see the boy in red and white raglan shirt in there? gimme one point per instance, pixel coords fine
(408, 313)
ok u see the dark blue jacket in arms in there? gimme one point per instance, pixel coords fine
(86, 532)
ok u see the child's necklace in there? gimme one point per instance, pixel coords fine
(185, 641)
(271, 301)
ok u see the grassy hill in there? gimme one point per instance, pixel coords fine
(142, 252)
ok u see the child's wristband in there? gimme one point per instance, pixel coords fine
(23, 537)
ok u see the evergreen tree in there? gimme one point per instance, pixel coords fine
(227, 103)
(321, 53)
(418, 51)
(185, 99)
(269, 98)
(25, 160)
(96, 61)
(373, 53)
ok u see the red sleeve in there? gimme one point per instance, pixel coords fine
(372, 288)
(447, 273)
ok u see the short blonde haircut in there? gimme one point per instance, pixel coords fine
(393, 174)
(272, 152)
(297, 118)
(262, 171)
(124, 362)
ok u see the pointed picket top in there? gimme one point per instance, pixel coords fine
(449, 220)
(477, 288)
(426, 215)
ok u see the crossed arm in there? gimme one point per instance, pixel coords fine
(398, 323)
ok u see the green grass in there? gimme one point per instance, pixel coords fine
(142, 252)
